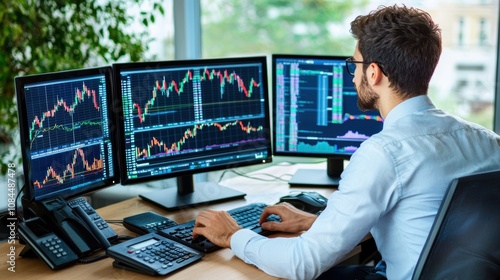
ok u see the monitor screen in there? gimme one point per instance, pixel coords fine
(185, 117)
(316, 114)
(66, 130)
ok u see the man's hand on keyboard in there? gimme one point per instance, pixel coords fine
(216, 226)
(293, 220)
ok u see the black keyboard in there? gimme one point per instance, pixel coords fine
(247, 216)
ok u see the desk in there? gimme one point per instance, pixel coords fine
(221, 264)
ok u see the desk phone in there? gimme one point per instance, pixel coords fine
(152, 254)
(54, 251)
(63, 232)
(147, 222)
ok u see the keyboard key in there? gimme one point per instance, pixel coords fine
(247, 216)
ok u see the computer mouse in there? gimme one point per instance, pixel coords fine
(311, 202)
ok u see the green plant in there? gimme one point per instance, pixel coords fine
(53, 35)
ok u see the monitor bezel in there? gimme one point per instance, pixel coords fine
(20, 83)
(334, 161)
(120, 67)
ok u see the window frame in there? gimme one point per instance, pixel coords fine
(187, 26)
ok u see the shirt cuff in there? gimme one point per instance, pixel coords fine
(239, 241)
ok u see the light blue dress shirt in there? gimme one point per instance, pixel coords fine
(392, 188)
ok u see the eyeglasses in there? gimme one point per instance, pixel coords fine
(350, 65)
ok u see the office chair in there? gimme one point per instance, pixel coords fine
(464, 241)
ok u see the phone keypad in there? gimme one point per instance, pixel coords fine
(163, 252)
(153, 254)
(54, 246)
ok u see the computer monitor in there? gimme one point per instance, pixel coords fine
(316, 115)
(184, 117)
(66, 130)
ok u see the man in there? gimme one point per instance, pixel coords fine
(394, 183)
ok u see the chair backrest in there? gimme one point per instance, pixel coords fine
(464, 242)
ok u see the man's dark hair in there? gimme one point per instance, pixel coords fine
(405, 43)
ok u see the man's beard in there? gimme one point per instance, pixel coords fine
(367, 98)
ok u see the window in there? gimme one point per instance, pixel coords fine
(161, 32)
(244, 27)
(483, 38)
(461, 27)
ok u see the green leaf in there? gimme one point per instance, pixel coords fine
(55, 35)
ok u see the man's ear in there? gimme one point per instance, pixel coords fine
(374, 73)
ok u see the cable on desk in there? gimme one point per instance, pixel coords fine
(284, 177)
(10, 216)
(121, 238)
(301, 162)
(114, 221)
(253, 177)
(18, 215)
(92, 259)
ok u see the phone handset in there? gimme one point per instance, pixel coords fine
(92, 218)
(93, 228)
(68, 226)
(62, 234)
(52, 249)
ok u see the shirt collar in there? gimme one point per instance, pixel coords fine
(407, 107)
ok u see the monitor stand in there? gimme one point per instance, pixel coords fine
(319, 178)
(186, 196)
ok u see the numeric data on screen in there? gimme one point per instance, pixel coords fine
(316, 108)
